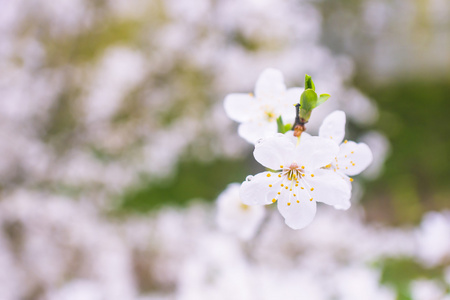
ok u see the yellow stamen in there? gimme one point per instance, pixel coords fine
(311, 199)
(351, 179)
(268, 175)
(312, 189)
(312, 175)
(289, 203)
(274, 200)
(281, 166)
(279, 175)
(270, 185)
(282, 184)
(345, 142)
(298, 201)
(303, 167)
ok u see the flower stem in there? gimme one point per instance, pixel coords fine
(299, 124)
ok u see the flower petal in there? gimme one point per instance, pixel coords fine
(315, 152)
(253, 131)
(256, 190)
(270, 84)
(240, 107)
(354, 158)
(333, 127)
(329, 188)
(297, 215)
(273, 152)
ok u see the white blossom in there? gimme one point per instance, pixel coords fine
(236, 217)
(352, 157)
(258, 112)
(296, 179)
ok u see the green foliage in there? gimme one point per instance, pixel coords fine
(414, 117)
(193, 180)
(400, 272)
(322, 99)
(281, 127)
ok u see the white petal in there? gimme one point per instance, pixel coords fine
(315, 152)
(240, 107)
(270, 84)
(256, 190)
(253, 131)
(287, 106)
(297, 215)
(333, 127)
(329, 188)
(274, 152)
(354, 158)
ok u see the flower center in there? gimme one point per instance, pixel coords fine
(293, 171)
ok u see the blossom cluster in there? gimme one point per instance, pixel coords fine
(301, 169)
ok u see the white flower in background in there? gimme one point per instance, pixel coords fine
(433, 238)
(236, 217)
(427, 290)
(352, 158)
(258, 113)
(298, 179)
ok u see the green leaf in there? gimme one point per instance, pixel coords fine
(309, 84)
(322, 99)
(280, 125)
(287, 127)
(308, 100)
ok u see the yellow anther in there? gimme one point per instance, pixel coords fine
(351, 179)
(281, 166)
(335, 170)
(303, 175)
(311, 199)
(303, 167)
(295, 195)
(279, 175)
(286, 187)
(270, 185)
(328, 166)
(289, 203)
(352, 152)
(279, 193)
(345, 142)
(298, 201)
(282, 184)
(346, 156)
(268, 175)
(312, 189)
(290, 190)
(296, 184)
(274, 200)
(312, 175)
(302, 188)
(346, 168)
(353, 164)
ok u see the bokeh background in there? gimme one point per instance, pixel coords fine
(115, 145)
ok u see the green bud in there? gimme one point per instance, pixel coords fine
(308, 101)
(309, 84)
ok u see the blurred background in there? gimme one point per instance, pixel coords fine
(115, 146)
